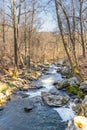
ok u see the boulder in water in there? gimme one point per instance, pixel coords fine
(69, 82)
(61, 62)
(28, 109)
(66, 70)
(54, 100)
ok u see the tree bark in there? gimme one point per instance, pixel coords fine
(81, 28)
(15, 34)
(62, 34)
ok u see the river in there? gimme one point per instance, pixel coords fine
(42, 117)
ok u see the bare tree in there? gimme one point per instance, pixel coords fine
(81, 26)
(71, 33)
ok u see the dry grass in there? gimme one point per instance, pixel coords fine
(83, 67)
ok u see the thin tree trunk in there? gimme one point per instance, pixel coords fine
(30, 33)
(25, 34)
(29, 48)
(3, 26)
(81, 28)
(15, 34)
(62, 34)
(74, 40)
(70, 33)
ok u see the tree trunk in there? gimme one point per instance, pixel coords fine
(62, 34)
(81, 28)
(3, 26)
(15, 34)
(25, 34)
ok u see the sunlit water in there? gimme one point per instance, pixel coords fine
(47, 80)
(66, 113)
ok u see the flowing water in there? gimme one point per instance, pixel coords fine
(42, 117)
(47, 81)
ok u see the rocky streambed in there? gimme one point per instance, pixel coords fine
(49, 104)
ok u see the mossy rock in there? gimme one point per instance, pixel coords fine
(77, 109)
(75, 90)
(80, 94)
(64, 101)
(69, 74)
(66, 71)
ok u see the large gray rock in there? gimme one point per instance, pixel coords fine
(54, 100)
(66, 70)
(69, 82)
(83, 86)
(61, 62)
(35, 85)
(74, 81)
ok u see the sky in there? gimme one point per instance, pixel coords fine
(48, 17)
(49, 23)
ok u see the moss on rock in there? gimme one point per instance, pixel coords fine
(75, 90)
(80, 94)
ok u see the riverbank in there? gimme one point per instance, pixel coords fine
(46, 103)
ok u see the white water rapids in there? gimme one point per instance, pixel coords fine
(47, 80)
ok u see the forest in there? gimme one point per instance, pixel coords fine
(43, 65)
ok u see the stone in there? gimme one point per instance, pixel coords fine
(83, 86)
(59, 69)
(60, 62)
(66, 71)
(28, 109)
(69, 82)
(74, 81)
(3, 99)
(54, 100)
(65, 83)
(77, 100)
(77, 109)
(54, 91)
(75, 90)
(35, 85)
